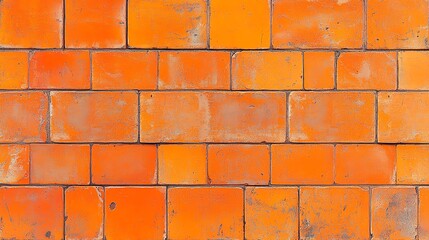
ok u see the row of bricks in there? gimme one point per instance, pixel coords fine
(198, 164)
(217, 24)
(217, 116)
(214, 70)
(214, 213)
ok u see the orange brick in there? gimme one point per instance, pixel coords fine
(167, 24)
(59, 70)
(23, 116)
(124, 70)
(319, 68)
(394, 213)
(39, 25)
(239, 164)
(123, 164)
(84, 213)
(13, 69)
(332, 117)
(59, 164)
(95, 24)
(182, 164)
(240, 24)
(412, 164)
(403, 116)
(271, 213)
(413, 74)
(143, 210)
(267, 70)
(302, 164)
(212, 117)
(94, 116)
(205, 213)
(423, 213)
(397, 24)
(318, 23)
(14, 164)
(31, 212)
(334, 213)
(194, 70)
(365, 164)
(367, 70)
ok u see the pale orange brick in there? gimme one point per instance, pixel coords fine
(31, 212)
(14, 164)
(412, 164)
(423, 213)
(13, 69)
(135, 213)
(332, 117)
(94, 116)
(84, 213)
(394, 213)
(413, 74)
(167, 24)
(318, 23)
(367, 70)
(205, 213)
(194, 70)
(123, 164)
(271, 213)
(397, 24)
(240, 24)
(59, 70)
(239, 164)
(124, 70)
(267, 70)
(403, 117)
(23, 116)
(319, 68)
(59, 164)
(182, 164)
(302, 164)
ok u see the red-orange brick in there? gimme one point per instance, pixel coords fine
(319, 70)
(412, 164)
(413, 74)
(14, 164)
(423, 213)
(13, 69)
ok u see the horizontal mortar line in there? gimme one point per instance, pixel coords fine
(220, 49)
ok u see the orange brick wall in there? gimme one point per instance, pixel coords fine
(214, 119)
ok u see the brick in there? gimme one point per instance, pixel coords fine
(59, 70)
(124, 70)
(271, 213)
(84, 213)
(240, 24)
(317, 24)
(412, 70)
(59, 164)
(267, 70)
(212, 117)
(167, 24)
(182, 164)
(332, 117)
(194, 70)
(397, 24)
(94, 116)
(402, 117)
(14, 164)
(13, 69)
(125, 164)
(367, 70)
(205, 213)
(394, 213)
(31, 212)
(239, 164)
(95, 24)
(302, 164)
(319, 68)
(412, 164)
(423, 213)
(23, 116)
(142, 207)
(39, 24)
(334, 213)
(365, 164)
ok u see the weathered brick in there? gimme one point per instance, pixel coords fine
(413, 74)
(13, 69)
(319, 70)
(14, 164)
(412, 164)
(423, 213)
